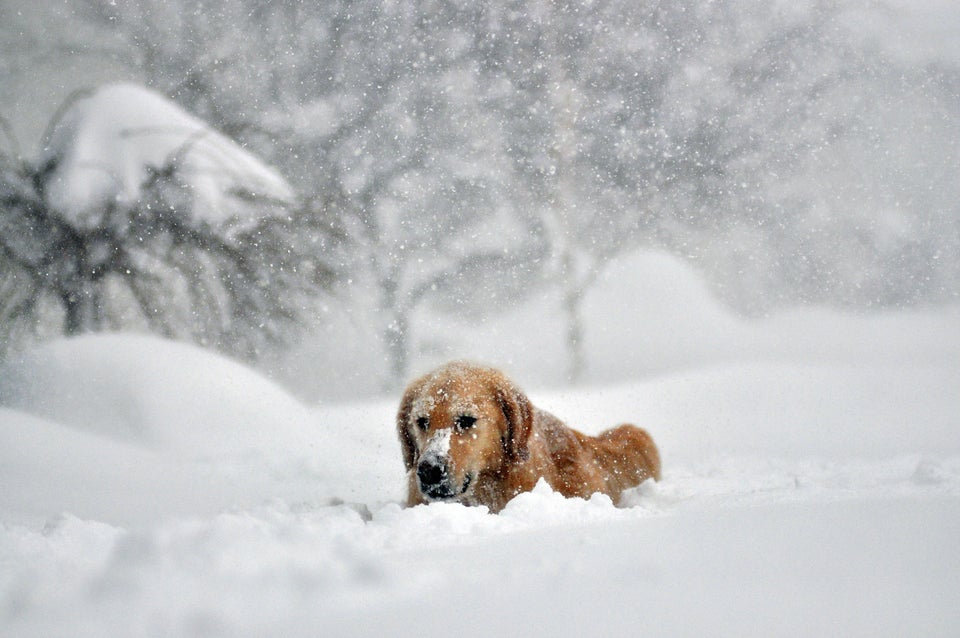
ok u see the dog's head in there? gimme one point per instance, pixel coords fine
(458, 422)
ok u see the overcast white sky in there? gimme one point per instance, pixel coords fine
(31, 86)
(925, 29)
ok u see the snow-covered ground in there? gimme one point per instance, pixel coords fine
(811, 487)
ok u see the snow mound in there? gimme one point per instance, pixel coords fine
(151, 391)
(104, 146)
(47, 468)
(660, 306)
(651, 312)
(132, 429)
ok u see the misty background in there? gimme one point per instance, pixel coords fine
(464, 176)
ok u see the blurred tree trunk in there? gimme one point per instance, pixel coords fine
(396, 329)
(572, 304)
(562, 208)
(82, 312)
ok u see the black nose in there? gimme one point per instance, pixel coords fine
(431, 473)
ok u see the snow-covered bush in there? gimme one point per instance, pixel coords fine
(139, 215)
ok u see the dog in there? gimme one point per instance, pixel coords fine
(469, 435)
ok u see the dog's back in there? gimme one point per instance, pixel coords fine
(576, 464)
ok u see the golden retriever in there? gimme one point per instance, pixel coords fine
(469, 435)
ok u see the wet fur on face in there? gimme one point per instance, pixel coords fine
(469, 435)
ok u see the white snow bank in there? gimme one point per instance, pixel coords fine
(104, 143)
(783, 409)
(48, 468)
(152, 391)
(136, 429)
(652, 313)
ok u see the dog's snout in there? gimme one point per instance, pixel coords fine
(431, 472)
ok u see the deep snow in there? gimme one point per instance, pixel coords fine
(811, 486)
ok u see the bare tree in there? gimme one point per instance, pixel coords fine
(582, 116)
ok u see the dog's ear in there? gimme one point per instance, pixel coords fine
(518, 414)
(403, 426)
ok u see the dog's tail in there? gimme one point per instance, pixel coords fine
(630, 454)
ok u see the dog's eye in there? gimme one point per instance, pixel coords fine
(423, 422)
(465, 422)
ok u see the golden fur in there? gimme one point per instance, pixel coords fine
(470, 435)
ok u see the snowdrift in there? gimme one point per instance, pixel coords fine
(174, 428)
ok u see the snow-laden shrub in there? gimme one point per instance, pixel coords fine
(139, 215)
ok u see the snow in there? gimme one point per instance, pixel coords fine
(438, 446)
(105, 143)
(811, 486)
